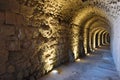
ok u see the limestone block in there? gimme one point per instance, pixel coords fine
(14, 7)
(9, 5)
(2, 44)
(26, 73)
(46, 33)
(6, 30)
(35, 60)
(8, 77)
(13, 45)
(21, 64)
(32, 78)
(20, 20)
(36, 34)
(26, 44)
(20, 76)
(4, 4)
(2, 17)
(27, 11)
(29, 33)
(11, 69)
(3, 56)
(2, 68)
(15, 56)
(10, 18)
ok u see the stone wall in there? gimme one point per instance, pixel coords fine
(37, 35)
(31, 44)
(115, 43)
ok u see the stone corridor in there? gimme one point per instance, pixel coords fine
(39, 36)
(97, 66)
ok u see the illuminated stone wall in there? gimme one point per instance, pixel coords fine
(32, 42)
(38, 35)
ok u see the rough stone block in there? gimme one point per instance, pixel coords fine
(26, 73)
(13, 45)
(3, 56)
(14, 7)
(27, 11)
(20, 20)
(26, 44)
(2, 44)
(2, 68)
(4, 4)
(8, 77)
(14, 56)
(2, 17)
(10, 18)
(29, 32)
(22, 64)
(11, 69)
(32, 78)
(6, 30)
(20, 76)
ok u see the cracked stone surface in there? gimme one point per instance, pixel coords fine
(97, 66)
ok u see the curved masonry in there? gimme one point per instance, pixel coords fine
(37, 36)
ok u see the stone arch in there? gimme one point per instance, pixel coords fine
(106, 38)
(94, 27)
(92, 37)
(103, 37)
(78, 22)
(89, 23)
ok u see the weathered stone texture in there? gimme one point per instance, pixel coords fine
(36, 36)
(31, 43)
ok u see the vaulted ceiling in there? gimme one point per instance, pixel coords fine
(67, 8)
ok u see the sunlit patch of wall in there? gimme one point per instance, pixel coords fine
(55, 49)
(75, 40)
(48, 58)
(86, 36)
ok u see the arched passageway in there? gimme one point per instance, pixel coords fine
(38, 36)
